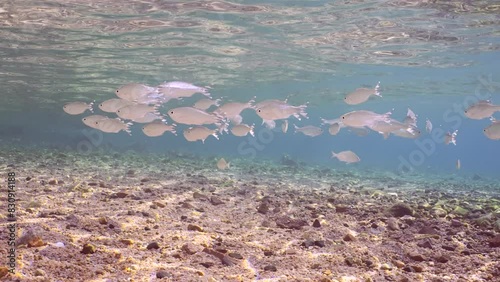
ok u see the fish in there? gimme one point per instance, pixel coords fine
(412, 134)
(205, 104)
(276, 110)
(458, 164)
(113, 125)
(309, 130)
(386, 127)
(364, 118)
(428, 126)
(334, 129)
(362, 95)
(136, 111)
(77, 108)
(180, 89)
(112, 105)
(331, 121)
(482, 109)
(359, 131)
(196, 133)
(346, 157)
(222, 164)
(158, 128)
(411, 118)
(91, 120)
(242, 130)
(493, 130)
(194, 116)
(149, 117)
(284, 126)
(450, 138)
(232, 110)
(135, 91)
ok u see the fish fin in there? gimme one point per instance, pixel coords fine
(217, 102)
(386, 135)
(251, 130)
(333, 155)
(377, 90)
(237, 119)
(90, 106)
(250, 103)
(228, 165)
(215, 135)
(270, 124)
(410, 130)
(296, 128)
(493, 120)
(323, 121)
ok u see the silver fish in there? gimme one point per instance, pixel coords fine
(482, 109)
(76, 108)
(180, 89)
(205, 104)
(91, 120)
(194, 116)
(309, 130)
(428, 126)
(113, 125)
(158, 128)
(241, 130)
(135, 91)
(196, 133)
(450, 138)
(493, 130)
(232, 110)
(363, 118)
(112, 105)
(362, 95)
(346, 156)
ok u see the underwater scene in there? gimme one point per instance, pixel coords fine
(264, 140)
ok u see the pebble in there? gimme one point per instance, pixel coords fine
(39, 272)
(341, 208)
(495, 241)
(349, 237)
(416, 256)
(392, 224)
(270, 268)
(263, 208)
(290, 223)
(316, 223)
(216, 201)
(191, 249)
(236, 255)
(193, 227)
(119, 195)
(88, 249)
(153, 245)
(163, 274)
(400, 209)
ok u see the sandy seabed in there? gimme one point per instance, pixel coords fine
(130, 217)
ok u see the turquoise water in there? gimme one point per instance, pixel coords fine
(436, 58)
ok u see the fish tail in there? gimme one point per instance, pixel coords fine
(333, 155)
(323, 121)
(296, 128)
(217, 102)
(250, 103)
(91, 105)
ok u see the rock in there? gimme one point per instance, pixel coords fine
(428, 230)
(236, 255)
(316, 223)
(158, 204)
(398, 263)
(214, 200)
(392, 224)
(349, 237)
(307, 243)
(118, 195)
(400, 209)
(3, 271)
(439, 212)
(456, 223)
(88, 249)
(268, 253)
(191, 249)
(416, 256)
(263, 208)
(153, 245)
(200, 196)
(290, 223)
(52, 182)
(425, 244)
(385, 266)
(341, 208)
(270, 268)
(163, 274)
(319, 243)
(449, 247)
(495, 241)
(39, 272)
(193, 227)
(127, 242)
(460, 211)
(442, 258)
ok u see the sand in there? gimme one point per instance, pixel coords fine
(128, 217)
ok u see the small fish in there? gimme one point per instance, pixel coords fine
(205, 104)
(242, 130)
(222, 164)
(136, 111)
(284, 126)
(112, 105)
(331, 121)
(149, 117)
(334, 129)
(362, 95)
(411, 118)
(157, 128)
(493, 130)
(113, 125)
(135, 91)
(309, 130)
(386, 127)
(359, 131)
(482, 109)
(346, 156)
(450, 138)
(196, 133)
(179, 90)
(411, 134)
(91, 120)
(232, 110)
(76, 108)
(363, 118)
(194, 116)
(276, 109)
(458, 164)
(428, 126)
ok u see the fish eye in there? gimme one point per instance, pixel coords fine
(84, 119)
(172, 112)
(116, 91)
(343, 117)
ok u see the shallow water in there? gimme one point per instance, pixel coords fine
(435, 57)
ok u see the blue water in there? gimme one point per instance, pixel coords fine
(315, 52)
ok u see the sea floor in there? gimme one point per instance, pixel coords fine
(130, 217)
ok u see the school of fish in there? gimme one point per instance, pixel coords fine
(140, 103)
